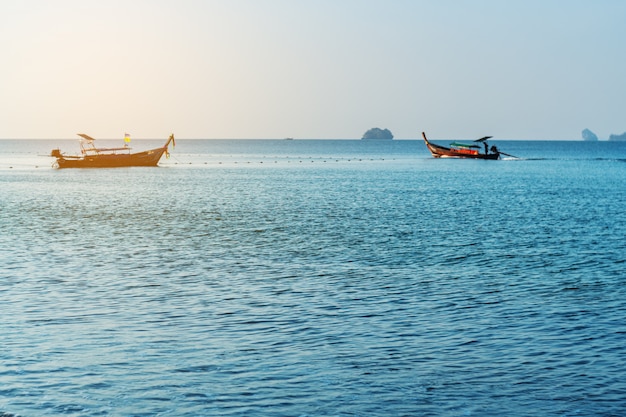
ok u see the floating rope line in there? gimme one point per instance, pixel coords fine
(277, 160)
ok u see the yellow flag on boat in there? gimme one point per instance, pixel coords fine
(126, 138)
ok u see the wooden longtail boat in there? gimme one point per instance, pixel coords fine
(92, 157)
(462, 150)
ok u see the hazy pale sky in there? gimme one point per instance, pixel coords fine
(527, 69)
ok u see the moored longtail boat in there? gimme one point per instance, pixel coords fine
(462, 150)
(92, 157)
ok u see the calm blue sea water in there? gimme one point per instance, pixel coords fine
(314, 278)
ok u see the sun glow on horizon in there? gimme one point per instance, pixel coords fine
(323, 69)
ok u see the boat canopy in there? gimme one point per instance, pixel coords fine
(82, 135)
(464, 145)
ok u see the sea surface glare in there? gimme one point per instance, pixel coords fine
(314, 278)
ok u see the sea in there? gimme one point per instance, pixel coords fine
(314, 278)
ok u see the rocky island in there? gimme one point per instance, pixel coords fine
(618, 138)
(377, 133)
(589, 136)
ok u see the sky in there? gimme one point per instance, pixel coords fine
(312, 69)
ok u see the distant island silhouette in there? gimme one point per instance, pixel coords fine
(377, 133)
(589, 136)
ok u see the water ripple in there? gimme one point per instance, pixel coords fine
(383, 288)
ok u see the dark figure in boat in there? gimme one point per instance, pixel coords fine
(493, 149)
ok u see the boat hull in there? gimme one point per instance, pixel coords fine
(439, 151)
(141, 159)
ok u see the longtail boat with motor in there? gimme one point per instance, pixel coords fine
(92, 157)
(464, 150)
